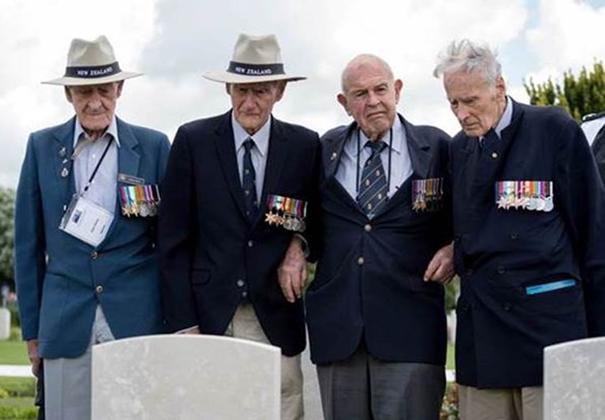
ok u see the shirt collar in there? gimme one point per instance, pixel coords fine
(112, 129)
(398, 139)
(261, 137)
(506, 117)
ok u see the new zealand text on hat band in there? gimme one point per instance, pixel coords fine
(93, 71)
(255, 69)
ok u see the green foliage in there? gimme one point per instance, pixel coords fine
(449, 408)
(13, 353)
(18, 387)
(11, 412)
(7, 212)
(579, 95)
(452, 290)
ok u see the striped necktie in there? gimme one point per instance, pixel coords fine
(249, 181)
(373, 188)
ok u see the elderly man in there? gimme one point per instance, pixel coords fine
(375, 309)
(528, 223)
(233, 210)
(86, 270)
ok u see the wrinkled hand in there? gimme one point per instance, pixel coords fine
(34, 356)
(441, 267)
(292, 272)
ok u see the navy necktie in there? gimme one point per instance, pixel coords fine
(249, 181)
(373, 188)
(489, 142)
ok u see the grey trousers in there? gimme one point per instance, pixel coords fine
(67, 382)
(364, 388)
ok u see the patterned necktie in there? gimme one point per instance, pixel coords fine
(249, 181)
(373, 188)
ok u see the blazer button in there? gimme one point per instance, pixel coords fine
(494, 155)
(360, 261)
(514, 235)
(244, 294)
(250, 243)
(99, 289)
(501, 270)
(240, 283)
(94, 255)
(367, 227)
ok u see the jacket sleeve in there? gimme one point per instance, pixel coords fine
(176, 229)
(580, 193)
(30, 246)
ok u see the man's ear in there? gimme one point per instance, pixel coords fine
(342, 100)
(67, 94)
(398, 87)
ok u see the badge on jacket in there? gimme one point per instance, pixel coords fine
(287, 212)
(524, 195)
(427, 194)
(139, 200)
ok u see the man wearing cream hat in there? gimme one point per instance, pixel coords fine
(237, 199)
(86, 269)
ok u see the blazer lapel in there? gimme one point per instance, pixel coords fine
(419, 150)
(64, 136)
(225, 148)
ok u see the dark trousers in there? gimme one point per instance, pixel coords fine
(364, 388)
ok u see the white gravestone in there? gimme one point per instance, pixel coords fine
(5, 324)
(574, 380)
(182, 377)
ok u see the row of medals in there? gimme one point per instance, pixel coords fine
(536, 202)
(286, 220)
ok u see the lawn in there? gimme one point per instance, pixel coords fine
(17, 398)
(13, 353)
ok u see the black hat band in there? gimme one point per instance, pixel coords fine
(91, 72)
(255, 69)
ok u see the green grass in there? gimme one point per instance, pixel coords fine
(20, 401)
(450, 362)
(13, 353)
(18, 387)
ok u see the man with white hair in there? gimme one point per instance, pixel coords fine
(528, 226)
(85, 265)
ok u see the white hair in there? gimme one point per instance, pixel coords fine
(464, 55)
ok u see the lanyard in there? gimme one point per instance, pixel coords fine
(359, 152)
(94, 172)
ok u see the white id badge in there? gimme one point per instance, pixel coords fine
(86, 221)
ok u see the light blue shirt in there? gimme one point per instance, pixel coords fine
(258, 152)
(103, 189)
(401, 165)
(505, 119)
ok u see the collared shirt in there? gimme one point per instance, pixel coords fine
(258, 152)
(505, 119)
(401, 165)
(102, 190)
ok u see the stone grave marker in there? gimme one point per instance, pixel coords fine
(574, 380)
(182, 377)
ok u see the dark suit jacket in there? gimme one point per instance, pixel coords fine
(212, 258)
(502, 330)
(369, 282)
(57, 275)
(598, 148)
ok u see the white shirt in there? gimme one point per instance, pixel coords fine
(258, 152)
(401, 165)
(103, 189)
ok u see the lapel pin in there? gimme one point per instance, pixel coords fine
(62, 152)
(64, 172)
(333, 156)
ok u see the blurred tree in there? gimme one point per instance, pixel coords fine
(578, 95)
(7, 236)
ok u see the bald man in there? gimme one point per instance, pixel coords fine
(375, 310)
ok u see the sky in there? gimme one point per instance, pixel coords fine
(175, 41)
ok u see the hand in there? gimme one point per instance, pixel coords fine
(292, 272)
(441, 267)
(34, 356)
(191, 330)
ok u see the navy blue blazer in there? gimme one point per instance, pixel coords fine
(502, 327)
(60, 279)
(598, 148)
(369, 279)
(212, 257)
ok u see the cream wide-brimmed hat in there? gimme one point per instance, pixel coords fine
(91, 63)
(256, 59)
